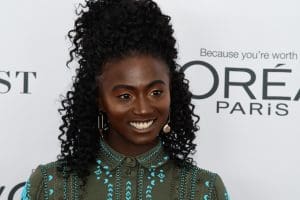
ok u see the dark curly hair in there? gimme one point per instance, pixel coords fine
(107, 30)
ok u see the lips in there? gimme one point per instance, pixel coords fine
(141, 125)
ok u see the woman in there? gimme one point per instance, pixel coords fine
(128, 122)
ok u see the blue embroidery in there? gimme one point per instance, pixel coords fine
(118, 183)
(161, 175)
(51, 191)
(205, 197)
(140, 183)
(195, 172)
(106, 180)
(152, 177)
(50, 177)
(163, 160)
(128, 190)
(110, 191)
(148, 192)
(65, 183)
(47, 178)
(182, 183)
(75, 183)
(226, 196)
(25, 192)
(99, 172)
(207, 183)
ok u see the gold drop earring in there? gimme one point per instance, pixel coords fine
(167, 127)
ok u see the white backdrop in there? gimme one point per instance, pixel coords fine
(247, 137)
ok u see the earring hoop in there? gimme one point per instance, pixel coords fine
(102, 122)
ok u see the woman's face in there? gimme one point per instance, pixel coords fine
(135, 94)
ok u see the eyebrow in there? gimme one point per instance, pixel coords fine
(129, 87)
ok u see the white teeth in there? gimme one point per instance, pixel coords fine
(141, 125)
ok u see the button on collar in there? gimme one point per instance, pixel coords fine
(130, 162)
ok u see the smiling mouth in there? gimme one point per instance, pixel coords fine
(142, 125)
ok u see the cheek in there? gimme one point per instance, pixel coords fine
(113, 110)
(116, 112)
(164, 105)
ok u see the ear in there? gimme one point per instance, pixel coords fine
(100, 102)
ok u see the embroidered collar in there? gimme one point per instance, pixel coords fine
(152, 159)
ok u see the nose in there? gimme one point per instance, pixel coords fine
(142, 106)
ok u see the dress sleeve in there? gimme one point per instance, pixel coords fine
(33, 187)
(219, 191)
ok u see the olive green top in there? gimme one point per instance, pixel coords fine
(114, 176)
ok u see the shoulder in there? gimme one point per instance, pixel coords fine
(40, 181)
(205, 184)
(45, 172)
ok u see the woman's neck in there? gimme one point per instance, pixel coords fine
(128, 148)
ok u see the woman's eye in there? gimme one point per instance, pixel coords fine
(124, 96)
(156, 92)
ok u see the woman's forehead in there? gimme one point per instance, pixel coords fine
(135, 70)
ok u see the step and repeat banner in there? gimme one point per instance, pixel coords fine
(243, 62)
